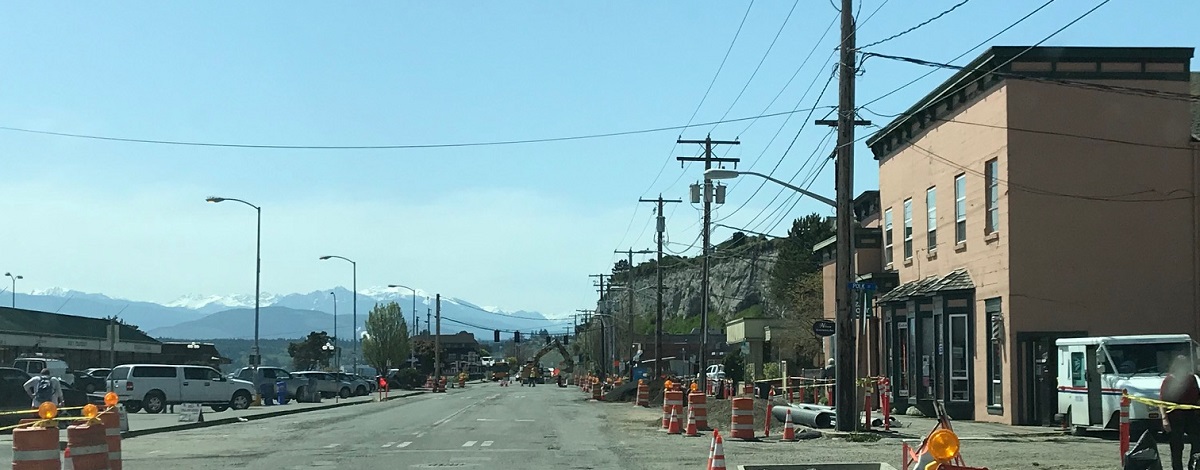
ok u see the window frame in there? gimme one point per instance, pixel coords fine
(888, 241)
(931, 218)
(991, 170)
(960, 208)
(908, 230)
(993, 308)
(960, 375)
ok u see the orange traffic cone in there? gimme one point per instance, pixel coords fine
(789, 429)
(691, 424)
(673, 425)
(712, 445)
(67, 463)
(718, 459)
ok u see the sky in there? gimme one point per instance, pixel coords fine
(518, 226)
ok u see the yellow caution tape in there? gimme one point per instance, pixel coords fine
(34, 411)
(1166, 405)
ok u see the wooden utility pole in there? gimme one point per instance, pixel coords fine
(437, 342)
(658, 319)
(844, 340)
(707, 195)
(603, 350)
(630, 292)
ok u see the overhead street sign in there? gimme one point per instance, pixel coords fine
(862, 285)
(824, 327)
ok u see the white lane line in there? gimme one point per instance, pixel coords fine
(389, 444)
(524, 420)
(330, 446)
(420, 434)
(486, 419)
(486, 444)
(452, 415)
(469, 444)
(403, 445)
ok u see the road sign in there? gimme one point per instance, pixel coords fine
(824, 327)
(862, 285)
(191, 413)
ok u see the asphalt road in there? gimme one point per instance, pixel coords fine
(484, 425)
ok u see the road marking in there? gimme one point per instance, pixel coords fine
(389, 444)
(486, 419)
(420, 434)
(486, 444)
(330, 446)
(452, 415)
(403, 444)
(469, 444)
(524, 420)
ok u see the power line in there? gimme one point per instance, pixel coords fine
(722, 66)
(472, 307)
(1059, 134)
(914, 28)
(760, 62)
(391, 146)
(797, 72)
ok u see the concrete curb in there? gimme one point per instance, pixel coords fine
(273, 414)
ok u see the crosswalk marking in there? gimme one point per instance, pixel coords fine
(486, 444)
(389, 444)
(469, 444)
(403, 445)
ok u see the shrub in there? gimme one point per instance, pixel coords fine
(408, 379)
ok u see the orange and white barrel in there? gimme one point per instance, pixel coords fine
(643, 396)
(699, 404)
(35, 448)
(672, 400)
(742, 426)
(89, 447)
(112, 434)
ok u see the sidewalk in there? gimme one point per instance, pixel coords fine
(975, 430)
(142, 424)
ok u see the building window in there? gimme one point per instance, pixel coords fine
(902, 340)
(995, 358)
(887, 237)
(991, 176)
(931, 221)
(908, 248)
(960, 383)
(960, 208)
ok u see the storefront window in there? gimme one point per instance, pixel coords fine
(902, 340)
(995, 358)
(959, 381)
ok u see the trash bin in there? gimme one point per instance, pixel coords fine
(265, 390)
(281, 392)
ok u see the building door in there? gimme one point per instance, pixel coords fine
(1037, 366)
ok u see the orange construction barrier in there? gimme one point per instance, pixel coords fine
(35, 448)
(597, 390)
(699, 402)
(742, 426)
(1124, 429)
(672, 399)
(112, 435)
(88, 447)
(643, 394)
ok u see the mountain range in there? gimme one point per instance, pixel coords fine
(282, 316)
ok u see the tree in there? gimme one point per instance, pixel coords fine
(796, 257)
(386, 341)
(311, 353)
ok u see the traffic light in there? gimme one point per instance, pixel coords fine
(516, 336)
(566, 339)
(497, 336)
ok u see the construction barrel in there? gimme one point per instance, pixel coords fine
(35, 448)
(742, 426)
(88, 447)
(699, 403)
(112, 434)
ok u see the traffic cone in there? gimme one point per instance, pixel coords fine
(673, 426)
(789, 429)
(691, 424)
(67, 463)
(712, 445)
(718, 459)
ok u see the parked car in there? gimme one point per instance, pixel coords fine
(14, 398)
(34, 365)
(91, 380)
(154, 386)
(295, 385)
(327, 385)
(359, 386)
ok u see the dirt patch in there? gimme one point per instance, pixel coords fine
(720, 416)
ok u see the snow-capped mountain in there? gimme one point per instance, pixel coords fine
(207, 316)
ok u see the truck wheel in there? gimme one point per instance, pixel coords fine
(133, 406)
(219, 408)
(301, 394)
(241, 400)
(344, 392)
(154, 403)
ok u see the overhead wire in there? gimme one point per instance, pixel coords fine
(760, 62)
(917, 26)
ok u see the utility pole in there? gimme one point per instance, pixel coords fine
(437, 343)
(603, 353)
(707, 196)
(587, 319)
(629, 288)
(658, 319)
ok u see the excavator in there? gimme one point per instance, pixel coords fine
(567, 365)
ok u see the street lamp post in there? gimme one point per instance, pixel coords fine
(412, 331)
(256, 358)
(337, 358)
(353, 307)
(330, 348)
(14, 287)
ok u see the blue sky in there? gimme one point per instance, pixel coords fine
(518, 226)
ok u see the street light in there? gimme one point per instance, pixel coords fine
(14, 287)
(724, 174)
(330, 348)
(353, 307)
(413, 332)
(256, 358)
(337, 360)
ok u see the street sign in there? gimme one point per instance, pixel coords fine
(824, 327)
(191, 413)
(862, 285)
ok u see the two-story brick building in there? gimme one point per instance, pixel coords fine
(1036, 194)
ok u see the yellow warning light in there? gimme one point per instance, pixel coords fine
(111, 399)
(90, 411)
(47, 410)
(943, 445)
